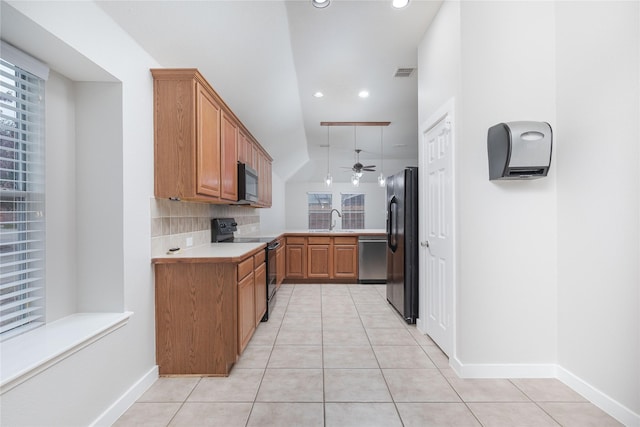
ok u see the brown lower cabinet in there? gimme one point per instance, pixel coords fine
(252, 296)
(322, 259)
(280, 262)
(345, 258)
(206, 313)
(296, 258)
(196, 318)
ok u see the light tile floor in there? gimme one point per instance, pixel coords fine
(339, 355)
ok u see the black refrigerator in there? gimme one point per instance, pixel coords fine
(402, 243)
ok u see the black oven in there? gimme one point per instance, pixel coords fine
(222, 230)
(272, 275)
(247, 183)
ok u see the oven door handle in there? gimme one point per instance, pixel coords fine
(275, 246)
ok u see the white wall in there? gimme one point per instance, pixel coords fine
(548, 270)
(439, 62)
(476, 53)
(273, 219)
(297, 205)
(506, 230)
(102, 209)
(60, 202)
(598, 155)
(99, 201)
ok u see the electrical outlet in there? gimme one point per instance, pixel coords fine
(189, 241)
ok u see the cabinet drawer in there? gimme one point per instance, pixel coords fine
(296, 240)
(258, 259)
(319, 240)
(342, 240)
(245, 267)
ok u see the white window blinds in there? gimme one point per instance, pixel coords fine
(319, 210)
(352, 211)
(21, 199)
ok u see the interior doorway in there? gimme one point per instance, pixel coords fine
(437, 228)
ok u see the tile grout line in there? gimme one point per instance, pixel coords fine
(183, 402)
(324, 393)
(395, 404)
(255, 398)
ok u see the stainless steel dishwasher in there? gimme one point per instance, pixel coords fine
(372, 259)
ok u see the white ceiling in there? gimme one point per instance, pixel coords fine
(267, 58)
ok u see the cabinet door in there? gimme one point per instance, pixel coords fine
(196, 331)
(296, 261)
(260, 292)
(261, 176)
(246, 311)
(251, 153)
(267, 183)
(245, 149)
(264, 179)
(345, 261)
(207, 144)
(319, 261)
(229, 161)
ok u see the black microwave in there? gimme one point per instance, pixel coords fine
(247, 183)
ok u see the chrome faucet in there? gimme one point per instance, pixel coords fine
(332, 223)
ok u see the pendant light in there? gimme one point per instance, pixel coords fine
(355, 177)
(381, 179)
(328, 180)
(320, 4)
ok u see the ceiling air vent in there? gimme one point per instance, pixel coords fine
(404, 72)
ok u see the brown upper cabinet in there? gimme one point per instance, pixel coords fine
(245, 149)
(264, 178)
(229, 158)
(199, 141)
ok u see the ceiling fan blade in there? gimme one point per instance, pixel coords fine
(368, 169)
(369, 166)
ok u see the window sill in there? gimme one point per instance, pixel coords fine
(35, 351)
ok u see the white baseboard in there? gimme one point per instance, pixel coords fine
(503, 370)
(119, 407)
(612, 407)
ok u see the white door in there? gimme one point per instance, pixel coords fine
(436, 230)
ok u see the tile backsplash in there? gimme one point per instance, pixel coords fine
(173, 222)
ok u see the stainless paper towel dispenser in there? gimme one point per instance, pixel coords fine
(519, 150)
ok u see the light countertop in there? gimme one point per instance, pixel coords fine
(362, 232)
(235, 252)
(212, 252)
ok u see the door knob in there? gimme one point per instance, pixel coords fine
(424, 244)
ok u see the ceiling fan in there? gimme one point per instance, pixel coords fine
(358, 167)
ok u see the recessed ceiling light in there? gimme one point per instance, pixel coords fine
(320, 3)
(399, 4)
(318, 94)
(363, 94)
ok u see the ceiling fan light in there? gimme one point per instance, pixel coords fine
(355, 180)
(358, 174)
(381, 180)
(320, 4)
(399, 4)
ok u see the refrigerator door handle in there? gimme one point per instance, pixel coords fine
(392, 232)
